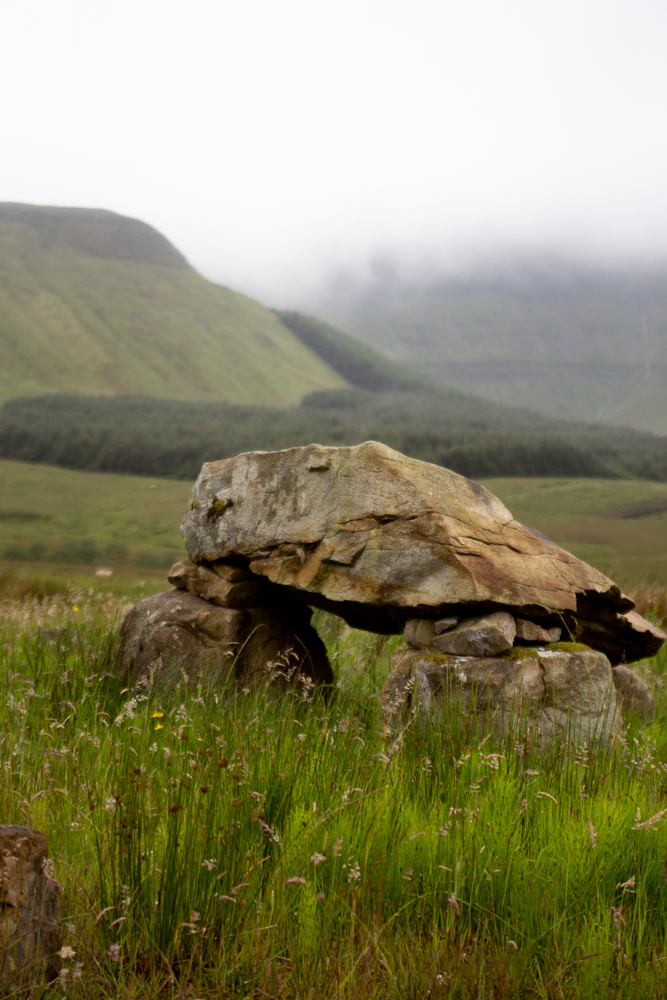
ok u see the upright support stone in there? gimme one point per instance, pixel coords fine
(30, 932)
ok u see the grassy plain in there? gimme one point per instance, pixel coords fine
(265, 844)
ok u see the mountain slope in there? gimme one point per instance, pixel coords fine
(557, 338)
(93, 302)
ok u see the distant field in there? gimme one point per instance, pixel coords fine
(620, 527)
(64, 525)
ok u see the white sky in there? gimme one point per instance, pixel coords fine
(275, 141)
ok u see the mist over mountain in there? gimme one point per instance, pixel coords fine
(562, 337)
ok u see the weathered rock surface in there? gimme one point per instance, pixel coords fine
(379, 538)
(531, 632)
(30, 930)
(633, 694)
(485, 636)
(227, 586)
(556, 692)
(178, 629)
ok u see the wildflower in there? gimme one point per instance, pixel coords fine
(64, 973)
(320, 896)
(317, 859)
(114, 952)
(158, 726)
(157, 715)
(71, 928)
(338, 847)
(66, 952)
(451, 901)
(210, 864)
(194, 916)
(77, 970)
(354, 873)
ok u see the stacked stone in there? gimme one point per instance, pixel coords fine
(510, 671)
(225, 624)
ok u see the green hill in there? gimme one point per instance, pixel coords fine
(557, 338)
(93, 302)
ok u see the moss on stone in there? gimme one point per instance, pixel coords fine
(521, 653)
(568, 647)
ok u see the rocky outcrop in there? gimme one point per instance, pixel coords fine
(30, 930)
(179, 630)
(557, 692)
(379, 539)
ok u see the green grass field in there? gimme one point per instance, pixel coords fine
(215, 844)
(62, 526)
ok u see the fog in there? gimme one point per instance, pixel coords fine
(282, 145)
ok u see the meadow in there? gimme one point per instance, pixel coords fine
(273, 843)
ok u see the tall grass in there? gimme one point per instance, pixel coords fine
(268, 843)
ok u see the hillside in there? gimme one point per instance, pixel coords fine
(93, 302)
(555, 337)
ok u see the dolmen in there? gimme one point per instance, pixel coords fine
(393, 545)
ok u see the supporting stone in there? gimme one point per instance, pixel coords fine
(30, 931)
(558, 692)
(177, 630)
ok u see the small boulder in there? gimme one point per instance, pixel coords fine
(419, 632)
(633, 693)
(179, 630)
(531, 632)
(485, 636)
(444, 624)
(226, 586)
(30, 929)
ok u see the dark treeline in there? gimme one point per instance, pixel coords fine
(472, 436)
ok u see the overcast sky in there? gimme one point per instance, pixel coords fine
(274, 141)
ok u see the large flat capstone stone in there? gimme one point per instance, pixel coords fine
(379, 538)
